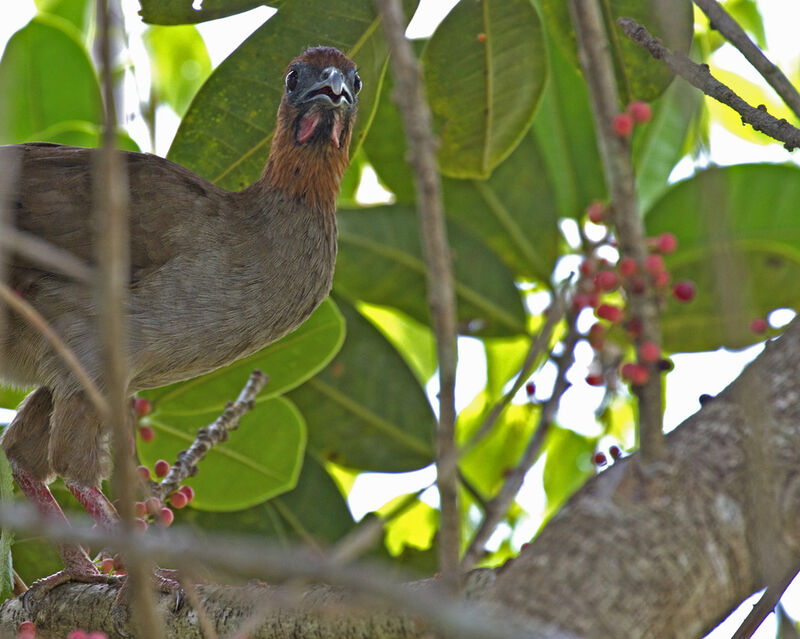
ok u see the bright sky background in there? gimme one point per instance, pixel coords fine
(693, 374)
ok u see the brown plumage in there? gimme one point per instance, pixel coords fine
(215, 275)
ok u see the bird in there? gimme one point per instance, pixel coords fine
(215, 276)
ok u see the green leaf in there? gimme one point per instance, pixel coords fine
(183, 12)
(80, 133)
(514, 212)
(179, 64)
(366, 410)
(746, 13)
(504, 357)
(76, 12)
(639, 77)
(414, 528)
(380, 262)
(739, 241)
(46, 78)
(226, 134)
(313, 512)
(568, 465)
(11, 396)
(6, 536)
(484, 89)
(289, 362)
(261, 459)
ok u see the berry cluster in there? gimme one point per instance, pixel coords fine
(27, 630)
(637, 113)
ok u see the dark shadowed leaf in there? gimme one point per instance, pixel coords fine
(289, 362)
(485, 69)
(261, 459)
(380, 262)
(183, 11)
(739, 241)
(366, 410)
(46, 79)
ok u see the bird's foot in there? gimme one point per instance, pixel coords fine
(83, 573)
(165, 581)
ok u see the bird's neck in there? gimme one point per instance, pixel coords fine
(309, 173)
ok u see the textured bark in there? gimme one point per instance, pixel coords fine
(666, 555)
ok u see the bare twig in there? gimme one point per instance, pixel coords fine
(441, 296)
(34, 318)
(615, 152)
(186, 464)
(765, 605)
(497, 508)
(698, 75)
(722, 21)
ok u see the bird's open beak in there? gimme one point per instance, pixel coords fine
(332, 89)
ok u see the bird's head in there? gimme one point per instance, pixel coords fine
(321, 97)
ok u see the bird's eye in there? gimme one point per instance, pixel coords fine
(291, 80)
(357, 84)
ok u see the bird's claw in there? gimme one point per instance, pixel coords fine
(39, 588)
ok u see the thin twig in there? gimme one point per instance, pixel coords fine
(765, 605)
(698, 75)
(35, 319)
(615, 152)
(722, 21)
(497, 508)
(113, 258)
(207, 437)
(417, 122)
(207, 627)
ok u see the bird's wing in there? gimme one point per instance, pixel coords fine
(52, 198)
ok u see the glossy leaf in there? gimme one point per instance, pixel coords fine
(504, 357)
(485, 69)
(46, 78)
(10, 396)
(179, 64)
(261, 459)
(183, 11)
(76, 12)
(739, 241)
(289, 362)
(227, 131)
(415, 527)
(366, 410)
(380, 262)
(639, 77)
(568, 465)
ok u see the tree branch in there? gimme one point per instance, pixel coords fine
(615, 152)
(765, 605)
(698, 75)
(417, 122)
(722, 21)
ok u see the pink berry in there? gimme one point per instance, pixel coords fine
(628, 266)
(107, 565)
(178, 500)
(684, 291)
(161, 468)
(140, 509)
(582, 300)
(622, 124)
(530, 389)
(596, 212)
(26, 630)
(636, 374)
(758, 326)
(139, 523)
(188, 491)
(666, 243)
(97, 635)
(606, 280)
(608, 312)
(649, 352)
(599, 459)
(654, 264)
(587, 268)
(661, 279)
(144, 472)
(142, 406)
(640, 111)
(78, 634)
(147, 433)
(166, 516)
(594, 379)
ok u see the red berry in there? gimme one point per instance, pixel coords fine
(654, 264)
(622, 124)
(638, 286)
(107, 565)
(616, 453)
(141, 524)
(758, 326)
(595, 335)
(530, 389)
(142, 406)
(640, 111)
(599, 459)
(140, 509)
(178, 500)
(684, 291)
(97, 635)
(27, 627)
(166, 516)
(594, 379)
(582, 300)
(587, 268)
(636, 374)
(628, 266)
(144, 472)
(152, 505)
(649, 352)
(606, 280)
(666, 243)
(661, 279)
(188, 491)
(161, 468)
(78, 634)
(608, 312)
(596, 212)
(147, 433)
(634, 327)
